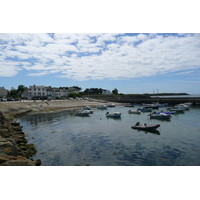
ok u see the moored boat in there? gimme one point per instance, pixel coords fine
(160, 116)
(134, 112)
(102, 107)
(145, 126)
(115, 114)
(83, 113)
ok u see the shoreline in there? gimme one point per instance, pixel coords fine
(13, 109)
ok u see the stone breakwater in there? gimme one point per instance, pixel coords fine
(14, 148)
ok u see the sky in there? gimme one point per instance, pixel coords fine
(131, 62)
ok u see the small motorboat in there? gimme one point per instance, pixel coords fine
(134, 112)
(160, 116)
(115, 114)
(102, 107)
(145, 126)
(87, 108)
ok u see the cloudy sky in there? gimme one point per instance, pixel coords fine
(132, 63)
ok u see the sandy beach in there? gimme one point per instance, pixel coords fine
(20, 107)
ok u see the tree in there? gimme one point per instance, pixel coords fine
(115, 91)
(20, 89)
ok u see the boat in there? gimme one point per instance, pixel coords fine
(82, 113)
(171, 112)
(152, 106)
(115, 114)
(145, 126)
(182, 106)
(111, 105)
(87, 108)
(102, 107)
(88, 111)
(134, 112)
(145, 109)
(129, 106)
(160, 116)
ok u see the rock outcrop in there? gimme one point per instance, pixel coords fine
(14, 148)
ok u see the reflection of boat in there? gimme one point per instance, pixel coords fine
(134, 112)
(145, 126)
(102, 107)
(111, 105)
(180, 110)
(115, 114)
(154, 131)
(145, 109)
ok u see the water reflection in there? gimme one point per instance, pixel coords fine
(149, 131)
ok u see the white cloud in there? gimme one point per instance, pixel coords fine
(98, 56)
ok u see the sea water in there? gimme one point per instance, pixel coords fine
(63, 139)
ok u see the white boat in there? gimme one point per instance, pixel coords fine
(160, 116)
(102, 107)
(134, 112)
(115, 114)
(183, 106)
(88, 111)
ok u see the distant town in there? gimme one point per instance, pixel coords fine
(35, 92)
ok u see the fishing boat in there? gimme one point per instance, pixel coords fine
(102, 107)
(145, 126)
(134, 112)
(115, 114)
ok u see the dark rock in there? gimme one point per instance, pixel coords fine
(38, 162)
(15, 124)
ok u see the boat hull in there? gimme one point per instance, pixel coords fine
(147, 127)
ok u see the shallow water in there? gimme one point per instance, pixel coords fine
(63, 139)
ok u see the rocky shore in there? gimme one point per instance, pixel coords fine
(14, 150)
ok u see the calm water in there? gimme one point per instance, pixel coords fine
(63, 139)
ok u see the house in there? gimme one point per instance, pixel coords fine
(48, 92)
(3, 92)
(107, 92)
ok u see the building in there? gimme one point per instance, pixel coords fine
(3, 92)
(107, 92)
(47, 92)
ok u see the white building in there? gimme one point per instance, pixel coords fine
(107, 92)
(48, 92)
(3, 92)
